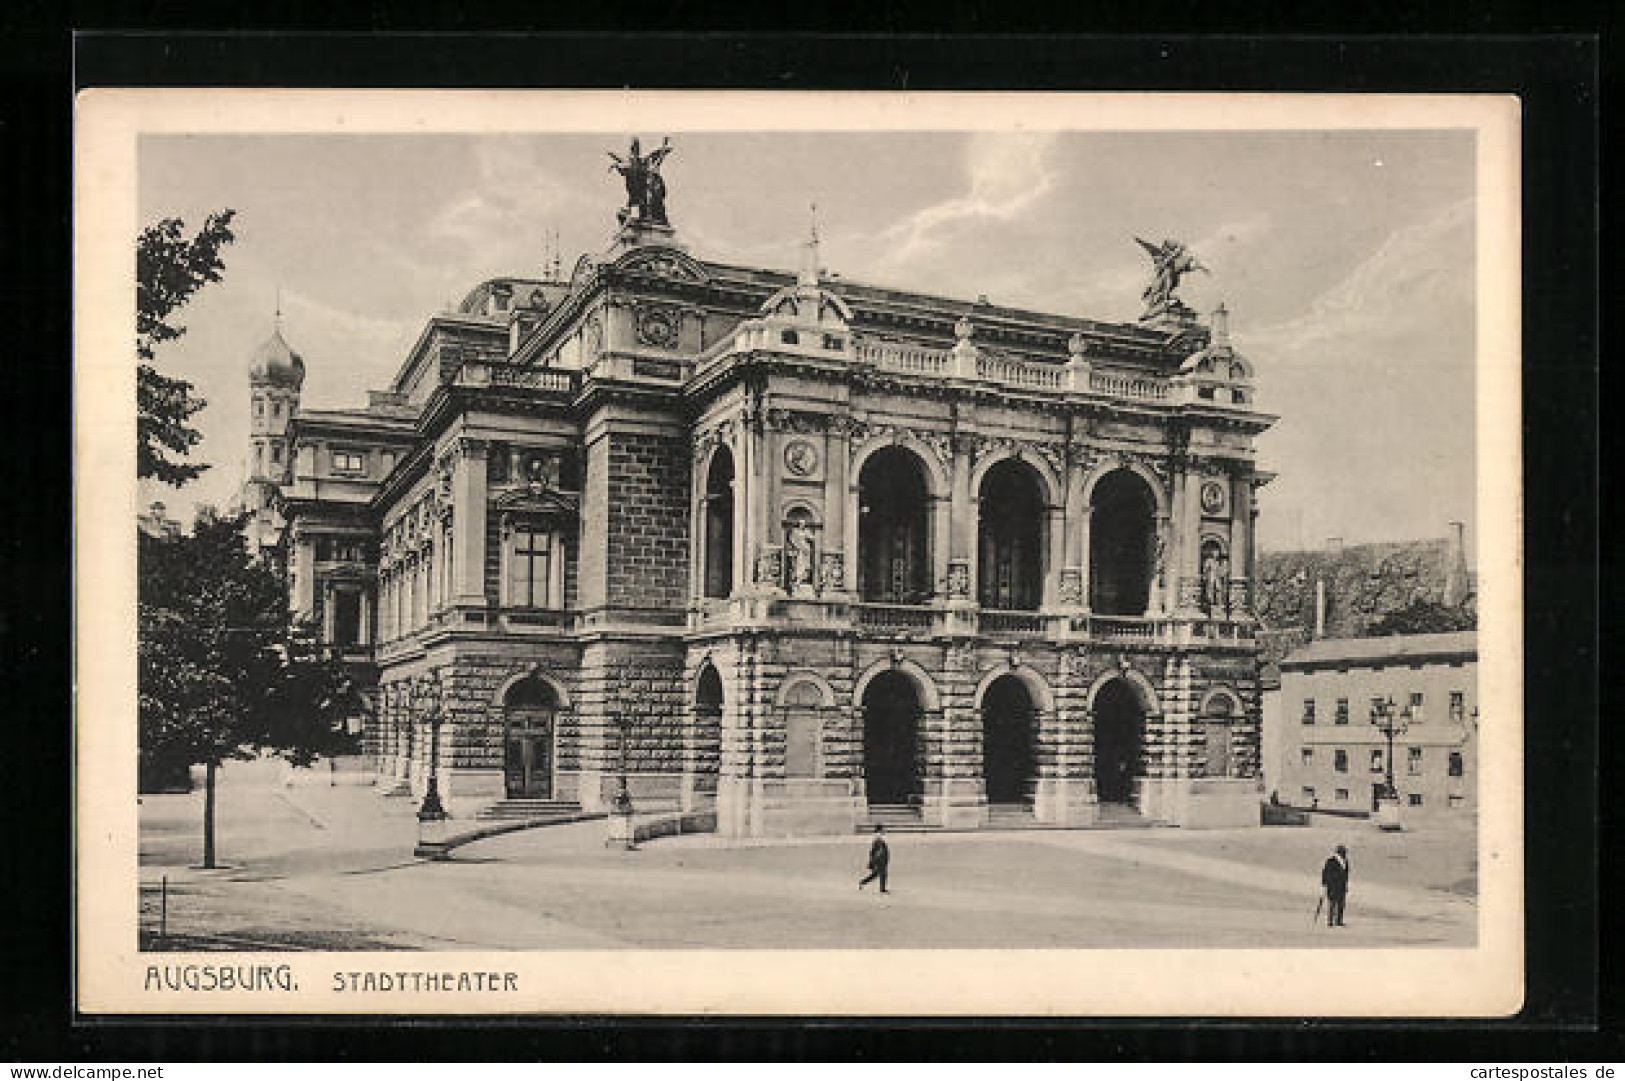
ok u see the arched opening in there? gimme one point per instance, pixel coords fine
(706, 744)
(1007, 741)
(1010, 573)
(1121, 545)
(1119, 724)
(719, 525)
(894, 563)
(529, 708)
(891, 726)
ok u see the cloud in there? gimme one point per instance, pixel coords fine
(1007, 175)
(1414, 278)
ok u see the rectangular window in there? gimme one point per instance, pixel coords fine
(348, 461)
(1309, 793)
(1342, 795)
(1458, 801)
(276, 453)
(1416, 799)
(1308, 711)
(530, 569)
(1308, 756)
(1340, 760)
(347, 619)
(1376, 761)
(1413, 761)
(259, 408)
(1458, 706)
(1456, 765)
(1342, 712)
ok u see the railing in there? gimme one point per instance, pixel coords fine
(1000, 622)
(913, 359)
(894, 616)
(507, 375)
(1019, 373)
(1121, 628)
(1128, 386)
(1226, 630)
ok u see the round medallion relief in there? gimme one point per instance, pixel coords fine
(1213, 497)
(801, 458)
(657, 327)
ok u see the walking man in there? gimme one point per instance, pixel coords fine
(879, 859)
(1334, 876)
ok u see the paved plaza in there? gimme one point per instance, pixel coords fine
(310, 866)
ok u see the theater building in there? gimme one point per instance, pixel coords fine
(796, 551)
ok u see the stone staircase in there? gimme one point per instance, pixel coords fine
(1011, 816)
(1122, 816)
(894, 816)
(529, 810)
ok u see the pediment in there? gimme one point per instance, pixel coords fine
(538, 502)
(663, 262)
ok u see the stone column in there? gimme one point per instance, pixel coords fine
(304, 565)
(468, 502)
(838, 550)
(956, 563)
(1186, 542)
(1242, 519)
(1054, 543)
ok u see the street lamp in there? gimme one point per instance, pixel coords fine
(432, 816)
(1390, 724)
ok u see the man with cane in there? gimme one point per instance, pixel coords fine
(1334, 878)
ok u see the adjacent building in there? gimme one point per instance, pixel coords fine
(1338, 697)
(798, 552)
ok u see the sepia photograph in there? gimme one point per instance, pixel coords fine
(690, 552)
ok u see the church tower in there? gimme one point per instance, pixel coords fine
(275, 375)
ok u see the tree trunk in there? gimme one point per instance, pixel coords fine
(208, 816)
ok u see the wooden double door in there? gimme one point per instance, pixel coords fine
(528, 761)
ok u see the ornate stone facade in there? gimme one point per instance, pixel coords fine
(788, 555)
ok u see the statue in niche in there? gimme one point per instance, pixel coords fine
(1171, 261)
(1215, 569)
(645, 190)
(798, 551)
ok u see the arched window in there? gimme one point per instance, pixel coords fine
(1010, 534)
(894, 561)
(1122, 545)
(719, 525)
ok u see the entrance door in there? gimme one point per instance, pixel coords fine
(529, 760)
(528, 742)
(1118, 723)
(891, 717)
(1007, 741)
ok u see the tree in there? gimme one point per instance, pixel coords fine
(1423, 616)
(169, 268)
(223, 673)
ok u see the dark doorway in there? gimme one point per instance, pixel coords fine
(894, 562)
(1119, 721)
(891, 725)
(1007, 741)
(1121, 545)
(719, 525)
(1010, 572)
(528, 758)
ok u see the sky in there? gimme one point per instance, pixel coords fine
(1346, 260)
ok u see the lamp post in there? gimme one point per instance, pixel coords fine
(432, 815)
(633, 698)
(1390, 724)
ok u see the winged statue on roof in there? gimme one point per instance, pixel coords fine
(1171, 260)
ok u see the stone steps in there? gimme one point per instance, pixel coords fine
(525, 810)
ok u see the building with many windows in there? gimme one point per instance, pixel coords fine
(1333, 750)
(797, 552)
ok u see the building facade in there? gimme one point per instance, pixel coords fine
(796, 552)
(1333, 745)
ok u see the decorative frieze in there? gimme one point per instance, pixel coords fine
(832, 572)
(958, 580)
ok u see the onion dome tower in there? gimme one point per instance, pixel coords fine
(275, 375)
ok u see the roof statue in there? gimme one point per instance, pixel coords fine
(1171, 261)
(645, 190)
